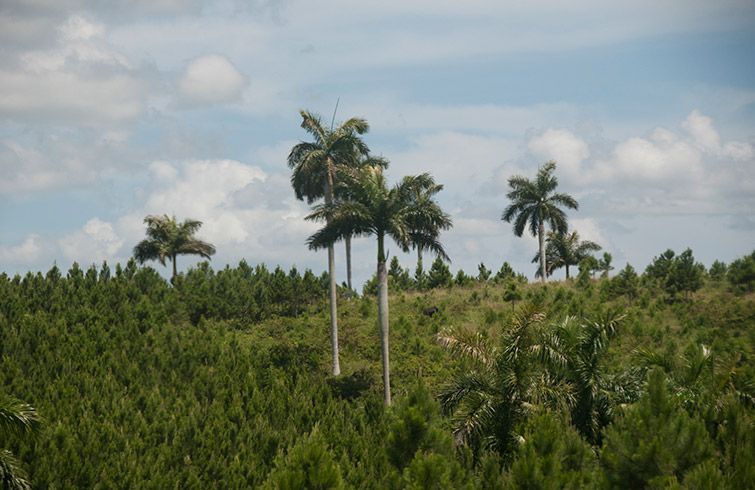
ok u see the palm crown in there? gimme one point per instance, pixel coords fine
(167, 238)
(565, 250)
(15, 418)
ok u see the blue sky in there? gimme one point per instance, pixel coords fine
(112, 112)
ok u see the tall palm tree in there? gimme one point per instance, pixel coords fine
(343, 192)
(534, 203)
(375, 209)
(316, 166)
(16, 418)
(564, 250)
(168, 238)
(422, 197)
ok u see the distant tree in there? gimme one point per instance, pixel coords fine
(399, 276)
(626, 283)
(439, 275)
(383, 212)
(587, 268)
(741, 273)
(661, 266)
(564, 250)
(483, 273)
(512, 293)
(535, 203)
(505, 273)
(16, 418)
(315, 166)
(462, 279)
(167, 239)
(686, 275)
(604, 264)
(717, 271)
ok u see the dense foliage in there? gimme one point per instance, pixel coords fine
(221, 380)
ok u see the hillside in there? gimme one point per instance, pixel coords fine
(222, 381)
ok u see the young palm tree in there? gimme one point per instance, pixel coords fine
(375, 209)
(564, 250)
(315, 168)
(498, 386)
(573, 352)
(15, 418)
(167, 239)
(534, 203)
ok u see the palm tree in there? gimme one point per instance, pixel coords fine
(16, 418)
(375, 209)
(422, 197)
(564, 250)
(315, 168)
(573, 351)
(342, 192)
(498, 386)
(167, 239)
(534, 203)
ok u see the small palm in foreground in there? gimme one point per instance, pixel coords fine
(375, 209)
(498, 387)
(167, 239)
(16, 418)
(533, 203)
(564, 250)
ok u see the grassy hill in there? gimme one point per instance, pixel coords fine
(222, 382)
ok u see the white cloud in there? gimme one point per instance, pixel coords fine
(80, 79)
(94, 242)
(589, 229)
(27, 252)
(211, 79)
(563, 146)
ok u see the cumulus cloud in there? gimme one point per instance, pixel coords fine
(211, 79)
(80, 79)
(564, 146)
(94, 242)
(28, 251)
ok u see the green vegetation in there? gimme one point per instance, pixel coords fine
(221, 381)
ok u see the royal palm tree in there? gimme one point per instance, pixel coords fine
(316, 166)
(564, 250)
(343, 193)
(375, 209)
(16, 418)
(422, 197)
(533, 203)
(168, 238)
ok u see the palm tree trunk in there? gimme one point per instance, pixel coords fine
(567, 272)
(541, 241)
(333, 291)
(419, 258)
(382, 275)
(347, 240)
(173, 278)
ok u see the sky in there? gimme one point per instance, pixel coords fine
(111, 111)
